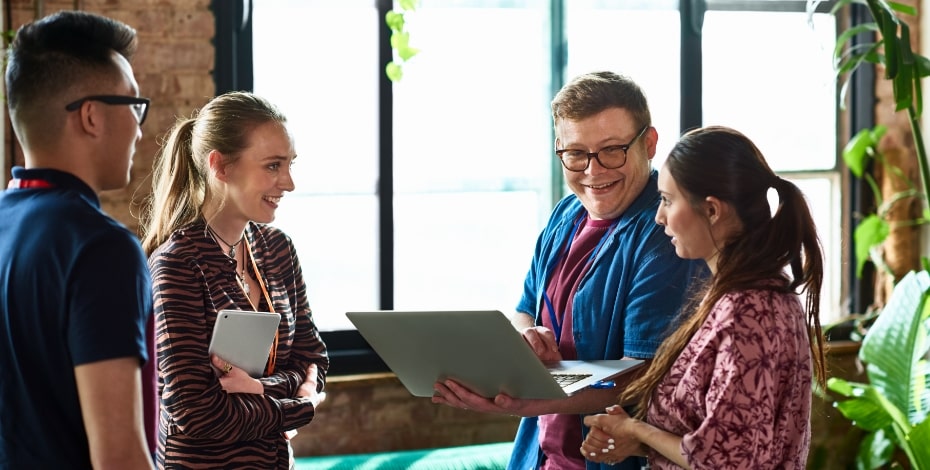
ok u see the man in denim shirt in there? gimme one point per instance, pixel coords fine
(604, 282)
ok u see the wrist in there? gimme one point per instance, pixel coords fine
(639, 430)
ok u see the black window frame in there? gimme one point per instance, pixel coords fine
(349, 352)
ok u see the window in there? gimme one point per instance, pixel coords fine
(317, 61)
(430, 192)
(472, 154)
(782, 95)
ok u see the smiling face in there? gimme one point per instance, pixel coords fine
(607, 193)
(261, 175)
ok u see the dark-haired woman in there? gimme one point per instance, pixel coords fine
(731, 387)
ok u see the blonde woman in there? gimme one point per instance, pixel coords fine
(217, 182)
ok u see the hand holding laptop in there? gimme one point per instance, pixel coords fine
(480, 350)
(452, 393)
(542, 341)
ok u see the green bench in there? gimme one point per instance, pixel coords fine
(475, 457)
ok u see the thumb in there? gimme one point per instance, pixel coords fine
(217, 361)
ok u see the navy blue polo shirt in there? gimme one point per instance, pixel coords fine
(74, 289)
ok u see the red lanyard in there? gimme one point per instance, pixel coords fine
(17, 183)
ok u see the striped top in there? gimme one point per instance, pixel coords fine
(200, 425)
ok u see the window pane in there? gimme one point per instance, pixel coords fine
(631, 38)
(472, 153)
(770, 75)
(332, 214)
(464, 250)
(823, 198)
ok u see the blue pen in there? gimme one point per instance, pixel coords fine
(603, 384)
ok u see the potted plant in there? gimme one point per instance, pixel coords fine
(891, 409)
(891, 50)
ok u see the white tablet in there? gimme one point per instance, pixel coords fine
(244, 338)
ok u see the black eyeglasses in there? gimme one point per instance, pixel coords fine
(139, 106)
(610, 157)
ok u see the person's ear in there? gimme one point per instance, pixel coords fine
(652, 138)
(217, 165)
(91, 118)
(713, 209)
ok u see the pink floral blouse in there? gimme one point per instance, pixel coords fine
(740, 393)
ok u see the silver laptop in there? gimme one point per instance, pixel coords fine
(480, 349)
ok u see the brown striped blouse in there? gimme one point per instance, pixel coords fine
(200, 425)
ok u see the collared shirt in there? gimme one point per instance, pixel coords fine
(625, 303)
(740, 391)
(74, 289)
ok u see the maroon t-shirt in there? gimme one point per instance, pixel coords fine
(560, 435)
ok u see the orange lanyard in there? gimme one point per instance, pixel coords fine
(273, 354)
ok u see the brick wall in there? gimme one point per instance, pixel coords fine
(375, 413)
(173, 65)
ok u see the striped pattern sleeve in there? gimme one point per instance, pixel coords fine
(192, 281)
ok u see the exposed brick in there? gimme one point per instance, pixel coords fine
(173, 66)
(379, 414)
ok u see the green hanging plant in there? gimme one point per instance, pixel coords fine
(400, 38)
(889, 47)
(862, 151)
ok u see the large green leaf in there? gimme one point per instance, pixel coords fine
(923, 66)
(869, 409)
(889, 29)
(875, 451)
(866, 408)
(919, 438)
(895, 345)
(903, 86)
(871, 231)
(860, 148)
(902, 8)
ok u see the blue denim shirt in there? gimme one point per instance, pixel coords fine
(625, 303)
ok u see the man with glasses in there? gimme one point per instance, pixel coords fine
(75, 292)
(604, 282)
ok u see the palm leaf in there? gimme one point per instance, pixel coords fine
(919, 437)
(896, 344)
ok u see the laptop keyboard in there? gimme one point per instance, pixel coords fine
(568, 379)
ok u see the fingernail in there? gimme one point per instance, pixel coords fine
(593, 454)
(604, 451)
(611, 447)
(610, 440)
